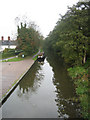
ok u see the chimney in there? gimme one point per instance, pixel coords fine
(8, 38)
(2, 38)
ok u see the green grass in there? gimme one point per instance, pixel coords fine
(3, 57)
(35, 58)
(13, 60)
(79, 75)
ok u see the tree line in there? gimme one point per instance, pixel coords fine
(70, 40)
(29, 40)
(70, 37)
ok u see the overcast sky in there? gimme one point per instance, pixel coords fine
(45, 13)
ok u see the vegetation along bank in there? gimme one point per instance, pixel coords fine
(70, 40)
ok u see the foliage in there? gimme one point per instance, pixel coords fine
(18, 51)
(70, 39)
(29, 39)
(8, 50)
(76, 72)
(84, 104)
(35, 55)
(8, 53)
(80, 77)
(35, 58)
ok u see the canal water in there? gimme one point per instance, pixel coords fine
(44, 92)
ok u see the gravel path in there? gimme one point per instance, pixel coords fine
(12, 71)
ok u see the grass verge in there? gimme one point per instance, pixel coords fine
(35, 58)
(13, 59)
(79, 75)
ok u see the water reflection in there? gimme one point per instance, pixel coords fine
(64, 89)
(43, 92)
(31, 82)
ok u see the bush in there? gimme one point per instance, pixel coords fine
(8, 53)
(18, 51)
(80, 77)
(76, 71)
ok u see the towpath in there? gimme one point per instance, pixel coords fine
(12, 71)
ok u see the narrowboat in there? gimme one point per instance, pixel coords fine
(41, 57)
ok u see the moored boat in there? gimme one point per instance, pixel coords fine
(41, 57)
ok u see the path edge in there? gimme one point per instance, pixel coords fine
(14, 86)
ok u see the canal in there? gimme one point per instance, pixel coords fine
(44, 92)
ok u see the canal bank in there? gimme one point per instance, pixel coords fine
(12, 73)
(43, 92)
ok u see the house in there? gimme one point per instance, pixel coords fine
(7, 43)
